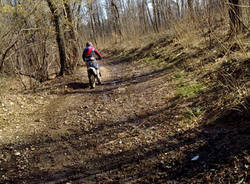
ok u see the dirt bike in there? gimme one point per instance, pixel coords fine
(93, 73)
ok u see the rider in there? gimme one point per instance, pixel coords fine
(88, 57)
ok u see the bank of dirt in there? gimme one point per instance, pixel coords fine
(135, 128)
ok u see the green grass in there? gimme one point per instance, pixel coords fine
(186, 89)
(193, 112)
(179, 75)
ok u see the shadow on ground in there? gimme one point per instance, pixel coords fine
(221, 149)
(77, 85)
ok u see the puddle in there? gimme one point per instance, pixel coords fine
(106, 96)
(134, 81)
(114, 83)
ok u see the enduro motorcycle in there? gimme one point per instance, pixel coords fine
(93, 73)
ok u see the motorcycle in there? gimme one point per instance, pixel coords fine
(93, 73)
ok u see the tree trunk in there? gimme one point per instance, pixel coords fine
(191, 9)
(116, 16)
(64, 69)
(72, 36)
(155, 11)
(234, 16)
(178, 9)
(182, 8)
(150, 17)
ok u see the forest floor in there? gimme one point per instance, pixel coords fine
(155, 119)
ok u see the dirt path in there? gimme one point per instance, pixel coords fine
(125, 131)
(80, 127)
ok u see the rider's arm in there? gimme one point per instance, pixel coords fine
(84, 54)
(98, 54)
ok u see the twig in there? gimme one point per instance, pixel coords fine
(29, 29)
(5, 53)
(241, 6)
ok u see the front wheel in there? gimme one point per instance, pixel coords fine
(92, 80)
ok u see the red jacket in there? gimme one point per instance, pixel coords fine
(89, 52)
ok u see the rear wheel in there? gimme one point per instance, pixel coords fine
(92, 80)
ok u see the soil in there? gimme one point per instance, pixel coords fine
(128, 130)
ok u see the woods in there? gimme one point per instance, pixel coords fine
(171, 102)
(39, 38)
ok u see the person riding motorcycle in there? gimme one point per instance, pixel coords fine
(88, 57)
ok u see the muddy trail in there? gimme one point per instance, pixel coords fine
(124, 131)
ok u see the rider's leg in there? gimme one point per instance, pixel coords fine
(99, 76)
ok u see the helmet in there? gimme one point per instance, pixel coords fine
(88, 44)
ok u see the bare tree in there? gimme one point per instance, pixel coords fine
(191, 8)
(234, 16)
(116, 17)
(59, 37)
(72, 36)
(156, 15)
(76, 21)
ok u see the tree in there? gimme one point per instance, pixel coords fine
(71, 36)
(116, 17)
(156, 15)
(59, 37)
(234, 16)
(191, 8)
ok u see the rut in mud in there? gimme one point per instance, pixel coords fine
(125, 131)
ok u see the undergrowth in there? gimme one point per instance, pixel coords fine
(203, 62)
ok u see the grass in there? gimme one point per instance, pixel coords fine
(189, 89)
(190, 115)
(179, 75)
